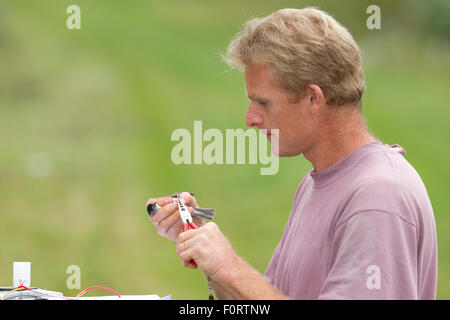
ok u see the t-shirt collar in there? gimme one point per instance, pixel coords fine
(340, 168)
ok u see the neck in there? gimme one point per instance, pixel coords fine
(337, 139)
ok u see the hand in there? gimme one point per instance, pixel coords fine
(210, 249)
(167, 220)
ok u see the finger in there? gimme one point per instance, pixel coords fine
(162, 201)
(189, 200)
(192, 242)
(164, 212)
(173, 232)
(188, 235)
(170, 221)
(184, 244)
(186, 258)
(189, 265)
(180, 247)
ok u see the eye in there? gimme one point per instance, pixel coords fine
(262, 103)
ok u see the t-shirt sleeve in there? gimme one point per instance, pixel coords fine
(373, 256)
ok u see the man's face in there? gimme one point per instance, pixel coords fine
(270, 108)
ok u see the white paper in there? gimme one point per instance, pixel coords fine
(22, 274)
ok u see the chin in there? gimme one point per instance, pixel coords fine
(286, 152)
(283, 150)
(280, 152)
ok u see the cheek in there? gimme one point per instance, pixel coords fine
(296, 130)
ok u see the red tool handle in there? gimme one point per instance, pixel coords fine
(186, 228)
(187, 225)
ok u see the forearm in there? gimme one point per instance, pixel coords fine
(230, 276)
(242, 282)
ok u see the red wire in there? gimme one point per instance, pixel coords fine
(97, 287)
(22, 286)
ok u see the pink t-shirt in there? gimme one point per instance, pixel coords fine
(361, 229)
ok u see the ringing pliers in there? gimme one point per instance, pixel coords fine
(186, 218)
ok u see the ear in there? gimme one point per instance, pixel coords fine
(315, 95)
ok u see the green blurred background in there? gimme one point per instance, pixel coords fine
(86, 118)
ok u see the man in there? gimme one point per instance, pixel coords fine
(361, 224)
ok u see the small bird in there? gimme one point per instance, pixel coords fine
(204, 213)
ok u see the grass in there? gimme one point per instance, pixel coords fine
(103, 101)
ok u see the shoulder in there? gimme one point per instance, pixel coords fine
(386, 182)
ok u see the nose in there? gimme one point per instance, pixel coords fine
(253, 118)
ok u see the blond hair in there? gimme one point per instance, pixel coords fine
(303, 46)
